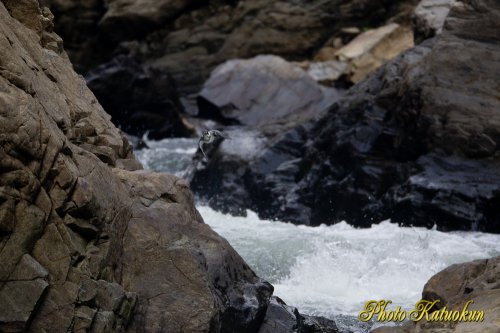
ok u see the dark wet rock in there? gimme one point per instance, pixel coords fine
(139, 100)
(405, 143)
(260, 142)
(281, 318)
(450, 192)
(86, 245)
(220, 180)
(416, 142)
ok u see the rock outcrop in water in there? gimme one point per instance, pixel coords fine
(255, 95)
(478, 281)
(416, 142)
(85, 245)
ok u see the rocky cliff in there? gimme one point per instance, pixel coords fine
(416, 142)
(88, 241)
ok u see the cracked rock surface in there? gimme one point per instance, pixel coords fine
(85, 245)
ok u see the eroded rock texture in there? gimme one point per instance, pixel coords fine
(416, 142)
(86, 243)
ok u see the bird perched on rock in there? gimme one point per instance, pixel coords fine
(208, 137)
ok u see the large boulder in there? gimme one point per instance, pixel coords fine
(476, 281)
(191, 280)
(262, 91)
(262, 98)
(86, 245)
(416, 142)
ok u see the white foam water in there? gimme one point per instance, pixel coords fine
(333, 270)
(168, 155)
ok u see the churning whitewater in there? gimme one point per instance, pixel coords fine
(332, 271)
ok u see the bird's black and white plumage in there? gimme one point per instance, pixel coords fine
(208, 137)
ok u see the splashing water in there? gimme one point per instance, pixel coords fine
(332, 271)
(168, 155)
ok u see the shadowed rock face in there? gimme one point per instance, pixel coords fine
(416, 142)
(139, 100)
(85, 245)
